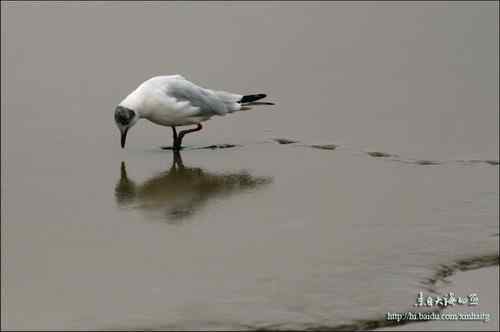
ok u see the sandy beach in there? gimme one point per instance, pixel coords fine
(376, 170)
(483, 282)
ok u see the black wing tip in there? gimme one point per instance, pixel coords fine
(250, 98)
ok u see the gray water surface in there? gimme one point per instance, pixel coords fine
(391, 115)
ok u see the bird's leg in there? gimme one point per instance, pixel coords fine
(184, 132)
(177, 162)
(175, 137)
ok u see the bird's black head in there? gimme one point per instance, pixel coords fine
(124, 119)
(123, 115)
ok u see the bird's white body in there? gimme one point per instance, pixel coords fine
(174, 101)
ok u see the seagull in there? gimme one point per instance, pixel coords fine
(173, 101)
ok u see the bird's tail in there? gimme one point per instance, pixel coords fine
(236, 102)
(251, 100)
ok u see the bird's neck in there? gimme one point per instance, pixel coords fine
(134, 101)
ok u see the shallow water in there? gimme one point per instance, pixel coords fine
(378, 163)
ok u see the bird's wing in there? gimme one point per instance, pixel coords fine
(205, 100)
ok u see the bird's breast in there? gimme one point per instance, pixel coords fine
(171, 119)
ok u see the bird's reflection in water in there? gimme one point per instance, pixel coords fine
(180, 192)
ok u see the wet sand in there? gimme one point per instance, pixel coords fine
(378, 164)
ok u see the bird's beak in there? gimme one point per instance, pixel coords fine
(124, 136)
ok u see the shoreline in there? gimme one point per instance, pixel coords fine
(477, 274)
(460, 271)
(433, 286)
(481, 317)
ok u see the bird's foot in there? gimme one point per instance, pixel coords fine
(173, 148)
